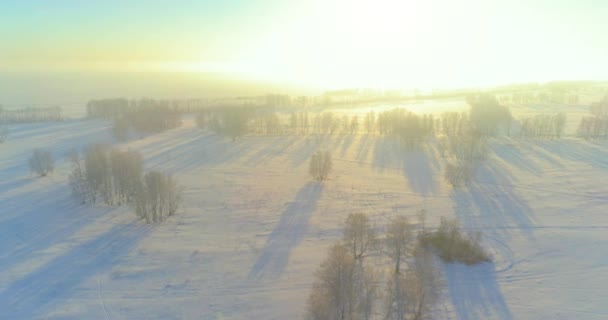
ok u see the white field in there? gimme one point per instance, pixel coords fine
(253, 227)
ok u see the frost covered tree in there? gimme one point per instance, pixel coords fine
(320, 165)
(359, 236)
(332, 295)
(157, 197)
(42, 162)
(488, 116)
(77, 177)
(399, 240)
(127, 170)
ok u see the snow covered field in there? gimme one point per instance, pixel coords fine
(254, 227)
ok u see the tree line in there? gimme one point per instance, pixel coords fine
(141, 115)
(30, 114)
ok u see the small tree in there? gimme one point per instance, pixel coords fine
(359, 236)
(157, 198)
(42, 162)
(399, 240)
(332, 295)
(320, 165)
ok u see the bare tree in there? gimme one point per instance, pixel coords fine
(157, 197)
(77, 177)
(320, 165)
(399, 240)
(422, 284)
(42, 162)
(359, 235)
(332, 295)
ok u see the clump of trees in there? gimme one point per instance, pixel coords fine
(142, 115)
(320, 165)
(453, 245)
(347, 286)
(117, 177)
(488, 117)
(595, 126)
(105, 174)
(231, 121)
(157, 198)
(462, 153)
(42, 162)
(409, 127)
(543, 126)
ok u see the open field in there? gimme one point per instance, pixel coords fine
(254, 226)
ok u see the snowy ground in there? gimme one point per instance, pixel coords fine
(253, 226)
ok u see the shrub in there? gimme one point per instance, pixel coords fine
(42, 162)
(158, 197)
(320, 165)
(452, 245)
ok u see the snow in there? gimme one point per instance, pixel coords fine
(254, 227)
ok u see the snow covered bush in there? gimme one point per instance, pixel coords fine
(320, 165)
(157, 198)
(42, 162)
(453, 245)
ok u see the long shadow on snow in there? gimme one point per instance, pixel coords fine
(199, 151)
(287, 234)
(39, 219)
(475, 292)
(513, 155)
(490, 204)
(273, 147)
(418, 165)
(306, 147)
(32, 295)
(592, 153)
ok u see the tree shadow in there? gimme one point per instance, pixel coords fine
(365, 143)
(30, 296)
(418, 164)
(490, 204)
(196, 151)
(287, 234)
(306, 147)
(273, 147)
(512, 154)
(594, 153)
(345, 144)
(38, 219)
(475, 292)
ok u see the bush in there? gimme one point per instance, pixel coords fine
(320, 165)
(452, 245)
(158, 197)
(489, 117)
(42, 162)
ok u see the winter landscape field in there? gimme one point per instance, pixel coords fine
(254, 226)
(303, 159)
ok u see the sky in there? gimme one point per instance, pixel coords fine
(332, 44)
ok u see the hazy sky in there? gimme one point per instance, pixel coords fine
(406, 43)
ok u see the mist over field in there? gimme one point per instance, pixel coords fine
(306, 159)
